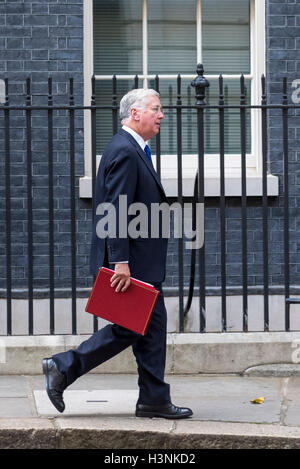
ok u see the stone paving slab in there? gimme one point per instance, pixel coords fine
(100, 402)
(13, 386)
(292, 402)
(15, 407)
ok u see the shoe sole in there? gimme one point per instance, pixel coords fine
(45, 368)
(45, 372)
(159, 415)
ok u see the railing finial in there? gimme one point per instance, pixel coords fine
(200, 83)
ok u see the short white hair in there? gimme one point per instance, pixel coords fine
(134, 98)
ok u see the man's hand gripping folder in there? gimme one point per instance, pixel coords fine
(131, 309)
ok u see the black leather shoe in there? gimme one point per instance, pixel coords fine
(56, 383)
(167, 411)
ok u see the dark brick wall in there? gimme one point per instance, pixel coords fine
(39, 39)
(283, 59)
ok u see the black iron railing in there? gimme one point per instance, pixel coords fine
(198, 284)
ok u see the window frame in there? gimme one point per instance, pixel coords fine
(211, 161)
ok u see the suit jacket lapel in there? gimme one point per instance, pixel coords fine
(143, 156)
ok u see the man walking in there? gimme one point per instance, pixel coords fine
(126, 170)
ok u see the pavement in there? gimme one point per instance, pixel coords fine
(100, 409)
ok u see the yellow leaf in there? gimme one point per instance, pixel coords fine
(258, 400)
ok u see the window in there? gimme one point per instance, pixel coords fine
(167, 37)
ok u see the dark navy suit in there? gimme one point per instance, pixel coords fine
(125, 170)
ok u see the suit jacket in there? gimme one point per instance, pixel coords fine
(125, 170)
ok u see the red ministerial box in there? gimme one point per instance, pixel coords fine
(131, 309)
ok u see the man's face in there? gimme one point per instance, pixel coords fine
(148, 119)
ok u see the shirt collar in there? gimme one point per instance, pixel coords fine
(136, 136)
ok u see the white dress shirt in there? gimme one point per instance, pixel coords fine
(136, 136)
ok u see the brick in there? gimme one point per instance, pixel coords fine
(284, 32)
(40, 20)
(74, 20)
(75, 66)
(40, 54)
(37, 65)
(40, 32)
(64, 32)
(66, 9)
(69, 55)
(281, 9)
(291, 21)
(277, 43)
(15, 31)
(18, 8)
(14, 20)
(13, 43)
(277, 21)
(14, 65)
(74, 43)
(15, 54)
(40, 42)
(40, 8)
(62, 20)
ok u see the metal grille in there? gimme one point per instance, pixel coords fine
(200, 108)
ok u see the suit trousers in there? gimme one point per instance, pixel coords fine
(149, 351)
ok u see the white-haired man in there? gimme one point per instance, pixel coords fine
(126, 170)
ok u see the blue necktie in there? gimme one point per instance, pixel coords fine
(148, 153)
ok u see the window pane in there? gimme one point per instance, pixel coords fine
(171, 36)
(117, 37)
(168, 130)
(104, 117)
(232, 137)
(226, 36)
(232, 125)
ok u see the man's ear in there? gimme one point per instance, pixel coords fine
(134, 113)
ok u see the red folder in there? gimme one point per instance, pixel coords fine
(131, 309)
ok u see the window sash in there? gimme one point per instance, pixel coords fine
(257, 28)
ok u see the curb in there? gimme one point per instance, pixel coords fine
(113, 433)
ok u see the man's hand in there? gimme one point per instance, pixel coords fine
(121, 278)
